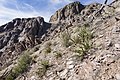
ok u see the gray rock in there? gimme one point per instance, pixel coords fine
(63, 73)
(116, 29)
(67, 12)
(70, 66)
(20, 34)
(69, 62)
(117, 76)
(117, 46)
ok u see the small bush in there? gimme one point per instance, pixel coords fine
(47, 48)
(41, 72)
(45, 64)
(65, 38)
(22, 65)
(85, 37)
(81, 39)
(76, 38)
(44, 67)
(58, 54)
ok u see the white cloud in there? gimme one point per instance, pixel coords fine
(26, 10)
(7, 13)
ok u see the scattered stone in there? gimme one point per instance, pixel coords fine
(117, 18)
(33, 78)
(63, 73)
(108, 43)
(70, 78)
(117, 76)
(116, 29)
(100, 36)
(117, 46)
(70, 66)
(69, 62)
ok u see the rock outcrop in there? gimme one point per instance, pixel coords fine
(21, 34)
(20, 30)
(67, 12)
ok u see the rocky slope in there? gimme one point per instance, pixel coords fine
(51, 60)
(19, 35)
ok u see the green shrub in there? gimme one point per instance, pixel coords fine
(22, 65)
(76, 38)
(65, 38)
(85, 37)
(41, 72)
(58, 54)
(84, 34)
(47, 48)
(81, 39)
(45, 64)
(44, 67)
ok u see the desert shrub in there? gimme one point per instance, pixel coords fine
(36, 48)
(76, 38)
(81, 39)
(65, 38)
(47, 48)
(21, 67)
(44, 67)
(57, 54)
(85, 36)
(45, 64)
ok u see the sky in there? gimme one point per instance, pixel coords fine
(10, 9)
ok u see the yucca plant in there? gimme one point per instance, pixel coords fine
(76, 38)
(85, 36)
(65, 37)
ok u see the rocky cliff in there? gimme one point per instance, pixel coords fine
(67, 12)
(19, 35)
(79, 43)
